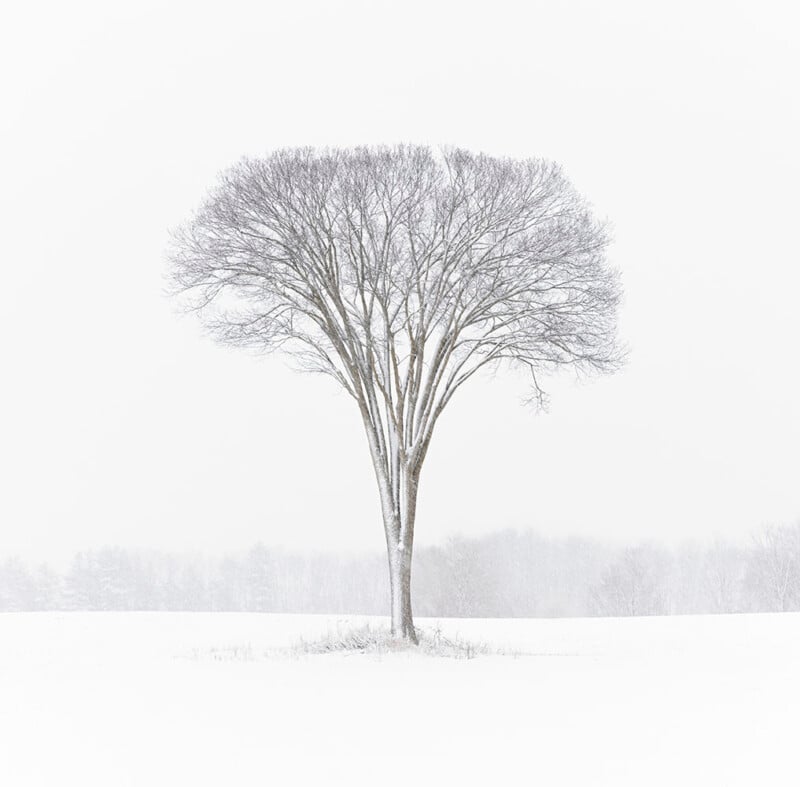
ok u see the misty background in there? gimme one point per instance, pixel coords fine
(506, 574)
(122, 424)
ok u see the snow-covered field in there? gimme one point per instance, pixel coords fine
(117, 699)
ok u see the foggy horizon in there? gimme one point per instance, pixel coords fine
(505, 574)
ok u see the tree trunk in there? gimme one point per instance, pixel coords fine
(400, 588)
(399, 513)
(398, 482)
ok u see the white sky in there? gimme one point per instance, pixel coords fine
(121, 424)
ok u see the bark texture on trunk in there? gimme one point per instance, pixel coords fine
(397, 475)
(399, 529)
(400, 588)
(399, 503)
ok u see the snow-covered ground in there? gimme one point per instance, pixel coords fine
(118, 699)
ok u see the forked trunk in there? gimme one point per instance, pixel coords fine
(398, 480)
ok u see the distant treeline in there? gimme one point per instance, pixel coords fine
(507, 574)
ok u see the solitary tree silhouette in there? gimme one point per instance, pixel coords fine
(400, 272)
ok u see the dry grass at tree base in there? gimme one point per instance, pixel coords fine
(380, 641)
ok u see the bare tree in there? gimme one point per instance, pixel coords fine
(774, 571)
(400, 272)
(724, 567)
(635, 584)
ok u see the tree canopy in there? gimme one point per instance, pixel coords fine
(400, 272)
